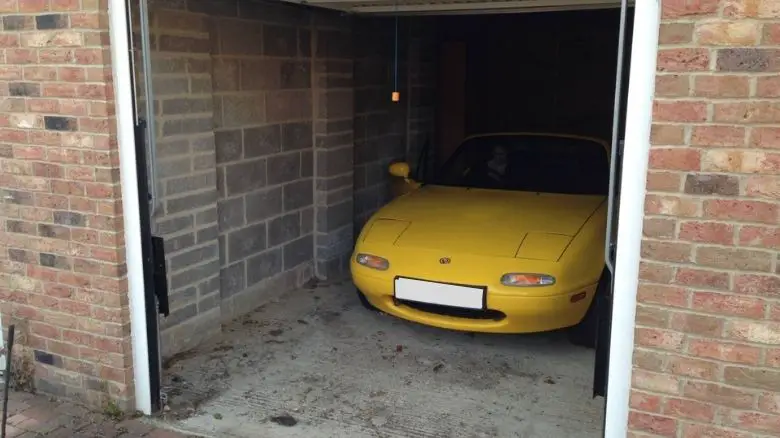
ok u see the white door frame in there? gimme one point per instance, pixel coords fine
(631, 211)
(633, 184)
(118, 14)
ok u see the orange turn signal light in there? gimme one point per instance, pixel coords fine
(373, 262)
(527, 280)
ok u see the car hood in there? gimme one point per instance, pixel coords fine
(484, 222)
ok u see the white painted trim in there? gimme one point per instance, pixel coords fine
(123, 91)
(641, 88)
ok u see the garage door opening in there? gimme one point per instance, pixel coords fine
(274, 134)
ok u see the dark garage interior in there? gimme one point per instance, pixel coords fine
(274, 132)
(541, 72)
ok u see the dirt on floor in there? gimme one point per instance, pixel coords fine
(39, 416)
(315, 363)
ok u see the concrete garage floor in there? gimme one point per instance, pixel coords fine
(317, 359)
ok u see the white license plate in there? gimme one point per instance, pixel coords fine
(439, 293)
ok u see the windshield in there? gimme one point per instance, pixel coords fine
(529, 163)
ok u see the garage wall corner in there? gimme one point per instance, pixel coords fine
(333, 103)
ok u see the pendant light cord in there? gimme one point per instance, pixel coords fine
(396, 48)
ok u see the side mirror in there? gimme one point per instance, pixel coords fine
(404, 185)
(400, 170)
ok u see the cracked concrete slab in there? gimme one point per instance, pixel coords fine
(314, 363)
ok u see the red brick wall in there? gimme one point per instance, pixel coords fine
(62, 267)
(707, 361)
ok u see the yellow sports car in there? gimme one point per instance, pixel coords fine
(507, 237)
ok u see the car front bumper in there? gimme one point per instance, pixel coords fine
(506, 313)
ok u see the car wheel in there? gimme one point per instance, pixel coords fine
(584, 333)
(364, 301)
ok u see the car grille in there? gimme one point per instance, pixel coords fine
(456, 312)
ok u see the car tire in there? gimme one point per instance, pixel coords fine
(584, 334)
(364, 301)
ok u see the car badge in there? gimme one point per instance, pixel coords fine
(445, 260)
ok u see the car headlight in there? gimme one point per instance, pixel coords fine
(373, 262)
(527, 280)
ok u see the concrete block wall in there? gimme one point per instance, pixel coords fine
(274, 131)
(186, 208)
(380, 124)
(264, 131)
(387, 131)
(421, 101)
(254, 110)
(334, 143)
